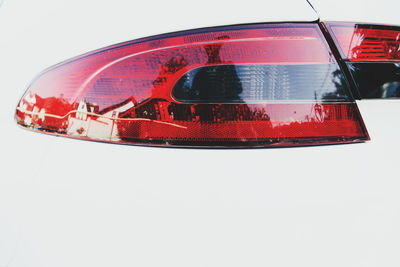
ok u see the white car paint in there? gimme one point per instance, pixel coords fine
(67, 202)
(379, 12)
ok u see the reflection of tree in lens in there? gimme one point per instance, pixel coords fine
(218, 82)
(172, 66)
(341, 89)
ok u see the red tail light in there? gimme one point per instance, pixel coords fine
(361, 42)
(254, 85)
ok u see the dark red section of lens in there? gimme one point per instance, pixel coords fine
(253, 85)
(264, 123)
(364, 43)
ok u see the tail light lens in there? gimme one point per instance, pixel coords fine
(372, 54)
(254, 85)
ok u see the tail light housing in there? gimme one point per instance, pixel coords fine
(239, 86)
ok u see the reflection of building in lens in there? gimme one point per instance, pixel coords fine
(44, 113)
(88, 121)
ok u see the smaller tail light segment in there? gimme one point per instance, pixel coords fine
(372, 55)
(367, 43)
(256, 85)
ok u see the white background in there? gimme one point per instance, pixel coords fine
(66, 202)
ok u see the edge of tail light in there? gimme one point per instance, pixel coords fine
(256, 85)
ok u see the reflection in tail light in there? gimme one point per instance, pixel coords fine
(254, 85)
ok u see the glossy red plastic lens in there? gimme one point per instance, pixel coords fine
(363, 43)
(253, 85)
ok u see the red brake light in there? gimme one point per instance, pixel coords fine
(360, 42)
(254, 85)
